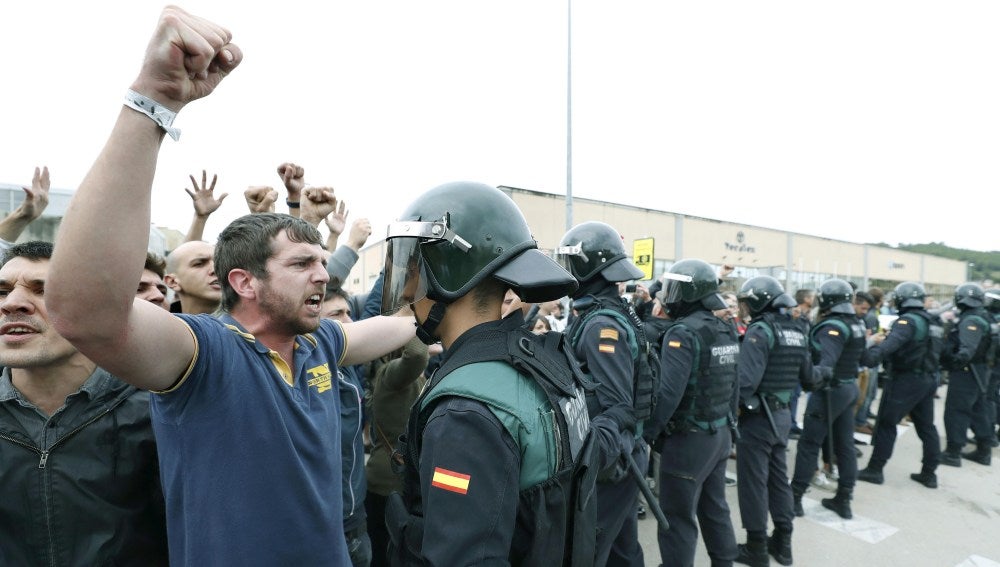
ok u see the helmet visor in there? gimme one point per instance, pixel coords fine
(403, 283)
(673, 287)
(572, 258)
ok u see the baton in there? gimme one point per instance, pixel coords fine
(829, 425)
(770, 418)
(651, 500)
(979, 382)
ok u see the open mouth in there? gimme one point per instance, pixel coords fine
(14, 332)
(314, 301)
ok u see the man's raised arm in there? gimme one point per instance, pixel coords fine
(101, 247)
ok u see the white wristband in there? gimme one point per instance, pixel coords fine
(156, 112)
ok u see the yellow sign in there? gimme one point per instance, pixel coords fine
(642, 256)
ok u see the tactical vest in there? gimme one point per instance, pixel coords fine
(788, 348)
(923, 354)
(556, 516)
(849, 326)
(645, 363)
(707, 399)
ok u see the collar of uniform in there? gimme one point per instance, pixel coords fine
(511, 322)
(306, 340)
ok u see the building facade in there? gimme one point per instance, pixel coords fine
(799, 261)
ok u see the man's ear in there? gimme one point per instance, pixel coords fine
(243, 283)
(172, 283)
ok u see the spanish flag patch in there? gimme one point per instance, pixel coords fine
(609, 334)
(674, 344)
(610, 349)
(450, 480)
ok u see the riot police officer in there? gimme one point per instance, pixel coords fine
(608, 340)
(494, 444)
(992, 305)
(774, 360)
(695, 408)
(837, 342)
(965, 357)
(912, 350)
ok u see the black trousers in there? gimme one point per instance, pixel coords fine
(904, 394)
(762, 470)
(815, 430)
(965, 406)
(693, 494)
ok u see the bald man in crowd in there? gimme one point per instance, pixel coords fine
(191, 274)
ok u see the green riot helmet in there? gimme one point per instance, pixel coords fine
(908, 295)
(970, 295)
(992, 300)
(595, 248)
(836, 296)
(455, 236)
(762, 293)
(692, 282)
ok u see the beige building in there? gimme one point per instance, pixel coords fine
(797, 260)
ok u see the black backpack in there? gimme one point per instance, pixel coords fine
(646, 356)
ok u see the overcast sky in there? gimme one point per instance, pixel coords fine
(861, 121)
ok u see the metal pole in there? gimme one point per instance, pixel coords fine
(569, 114)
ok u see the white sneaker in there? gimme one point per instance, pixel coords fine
(833, 475)
(820, 481)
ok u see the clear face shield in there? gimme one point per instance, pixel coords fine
(673, 289)
(406, 277)
(566, 254)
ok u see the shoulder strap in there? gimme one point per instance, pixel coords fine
(840, 325)
(697, 343)
(920, 324)
(766, 326)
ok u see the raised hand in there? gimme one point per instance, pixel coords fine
(293, 176)
(203, 196)
(361, 229)
(186, 59)
(337, 220)
(37, 197)
(260, 199)
(317, 203)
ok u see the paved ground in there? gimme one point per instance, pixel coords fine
(898, 523)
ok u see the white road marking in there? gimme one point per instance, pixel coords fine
(978, 561)
(860, 527)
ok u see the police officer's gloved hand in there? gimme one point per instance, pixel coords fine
(623, 415)
(822, 377)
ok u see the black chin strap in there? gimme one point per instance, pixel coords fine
(425, 330)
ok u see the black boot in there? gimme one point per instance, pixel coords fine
(779, 545)
(841, 503)
(951, 456)
(754, 551)
(925, 477)
(981, 455)
(871, 474)
(797, 502)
